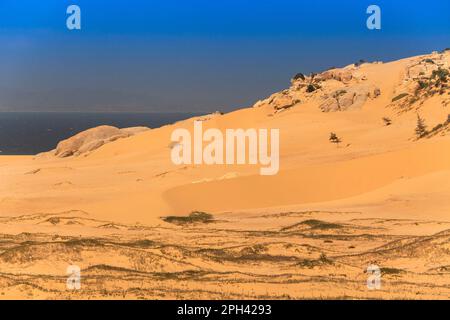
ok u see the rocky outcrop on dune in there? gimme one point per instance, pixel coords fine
(341, 89)
(134, 130)
(423, 78)
(92, 139)
(209, 116)
(352, 97)
(333, 90)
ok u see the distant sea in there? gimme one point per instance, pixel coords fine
(26, 133)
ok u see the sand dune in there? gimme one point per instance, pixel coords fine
(379, 196)
(338, 180)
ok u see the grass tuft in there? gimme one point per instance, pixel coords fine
(194, 217)
(322, 225)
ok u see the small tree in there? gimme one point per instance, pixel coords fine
(421, 127)
(311, 88)
(360, 62)
(387, 121)
(335, 139)
(299, 76)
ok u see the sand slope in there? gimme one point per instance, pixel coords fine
(381, 185)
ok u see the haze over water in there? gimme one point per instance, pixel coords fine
(25, 133)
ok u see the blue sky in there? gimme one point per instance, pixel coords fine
(194, 55)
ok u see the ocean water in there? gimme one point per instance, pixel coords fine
(27, 133)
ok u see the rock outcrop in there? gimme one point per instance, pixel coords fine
(280, 101)
(332, 90)
(92, 139)
(345, 98)
(423, 78)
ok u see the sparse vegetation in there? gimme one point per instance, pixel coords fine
(335, 139)
(312, 88)
(387, 121)
(194, 217)
(391, 271)
(85, 242)
(360, 62)
(253, 250)
(141, 243)
(339, 93)
(324, 259)
(310, 263)
(423, 84)
(322, 225)
(54, 220)
(421, 128)
(437, 83)
(440, 74)
(246, 255)
(299, 76)
(439, 128)
(170, 257)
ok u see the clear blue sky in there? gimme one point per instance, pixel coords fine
(194, 55)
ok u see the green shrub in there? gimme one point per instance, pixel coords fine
(421, 128)
(360, 62)
(423, 84)
(194, 217)
(312, 88)
(392, 271)
(339, 93)
(299, 76)
(441, 74)
(321, 225)
(334, 138)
